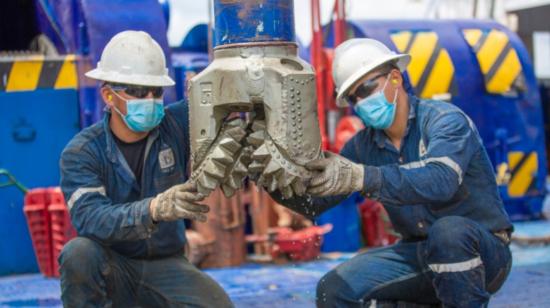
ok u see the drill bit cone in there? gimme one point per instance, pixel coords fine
(260, 74)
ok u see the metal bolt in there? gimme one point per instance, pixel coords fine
(291, 89)
(298, 92)
(299, 99)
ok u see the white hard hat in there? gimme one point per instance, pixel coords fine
(355, 58)
(132, 57)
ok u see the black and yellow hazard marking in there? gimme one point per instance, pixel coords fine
(35, 72)
(431, 70)
(498, 60)
(523, 171)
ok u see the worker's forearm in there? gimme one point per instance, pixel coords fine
(393, 184)
(111, 223)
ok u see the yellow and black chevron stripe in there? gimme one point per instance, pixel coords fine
(431, 70)
(36, 72)
(523, 171)
(498, 60)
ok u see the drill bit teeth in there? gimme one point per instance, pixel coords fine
(202, 190)
(225, 155)
(272, 185)
(237, 133)
(234, 181)
(215, 169)
(299, 187)
(256, 138)
(206, 184)
(230, 145)
(221, 156)
(285, 180)
(272, 168)
(262, 181)
(246, 157)
(258, 126)
(261, 154)
(228, 191)
(240, 168)
(256, 167)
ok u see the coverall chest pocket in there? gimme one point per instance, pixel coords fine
(165, 181)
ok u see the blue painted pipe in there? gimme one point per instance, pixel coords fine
(253, 21)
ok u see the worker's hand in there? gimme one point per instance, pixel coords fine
(334, 175)
(179, 202)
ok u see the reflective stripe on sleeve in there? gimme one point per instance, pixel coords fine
(444, 160)
(82, 191)
(456, 267)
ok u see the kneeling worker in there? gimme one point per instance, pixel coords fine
(124, 182)
(425, 162)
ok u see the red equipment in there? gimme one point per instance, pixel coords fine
(299, 245)
(377, 229)
(49, 225)
(321, 59)
(347, 128)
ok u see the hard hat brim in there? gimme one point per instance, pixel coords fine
(134, 79)
(402, 60)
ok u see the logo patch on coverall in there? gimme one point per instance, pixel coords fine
(166, 159)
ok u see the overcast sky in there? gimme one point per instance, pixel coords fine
(187, 13)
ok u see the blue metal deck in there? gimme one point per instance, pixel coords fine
(293, 285)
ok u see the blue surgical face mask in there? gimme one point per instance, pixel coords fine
(376, 111)
(142, 115)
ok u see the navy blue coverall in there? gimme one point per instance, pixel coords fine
(120, 257)
(440, 193)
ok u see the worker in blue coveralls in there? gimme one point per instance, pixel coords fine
(425, 162)
(124, 180)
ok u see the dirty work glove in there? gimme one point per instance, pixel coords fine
(179, 202)
(334, 175)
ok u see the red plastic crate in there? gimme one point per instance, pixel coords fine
(49, 225)
(61, 228)
(38, 221)
(377, 229)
